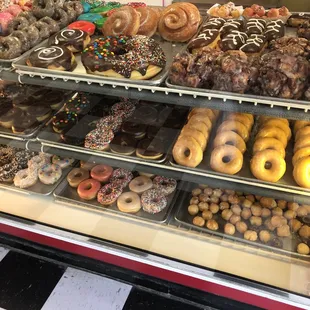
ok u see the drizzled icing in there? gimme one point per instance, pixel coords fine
(68, 34)
(254, 44)
(275, 30)
(256, 26)
(205, 38)
(230, 26)
(214, 23)
(49, 53)
(234, 40)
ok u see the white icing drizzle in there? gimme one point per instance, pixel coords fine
(256, 23)
(231, 23)
(214, 22)
(234, 35)
(255, 39)
(275, 26)
(67, 33)
(47, 51)
(206, 35)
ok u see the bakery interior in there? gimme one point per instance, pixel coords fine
(184, 150)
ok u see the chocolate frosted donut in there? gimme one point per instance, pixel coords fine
(150, 149)
(7, 119)
(23, 123)
(146, 114)
(61, 17)
(64, 121)
(123, 144)
(275, 29)
(54, 57)
(41, 113)
(255, 26)
(136, 130)
(25, 42)
(232, 25)
(254, 44)
(233, 41)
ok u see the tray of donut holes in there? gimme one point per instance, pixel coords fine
(119, 191)
(266, 151)
(275, 225)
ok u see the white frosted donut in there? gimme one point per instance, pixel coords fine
(49, 174)
(129, 202)
(25, 178)
(140, 184)
(62, 162)
(37, 162)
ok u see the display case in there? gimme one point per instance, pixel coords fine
(232, 233)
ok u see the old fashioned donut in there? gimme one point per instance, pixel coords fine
(129, 202)
(121, 177)
(140, 184)
(237, 127)
(273, 132)
(187, 152)
(226, 159)
(229, 138)
(165, 185)
(301, 153)
(201, 118)
(148, 21)
(76, 176)
(242, 118)
(25, 178)
(42, 8)
(300, 124)
(10, 47)
(88, 189)
(108, 194)
(49, 173)
(32, 34)
(52, 24)
(25, 42)
(62, 162)
(279, 124)
(301, 172)
(268, 166)
(101, 173)
(61, 17)
(197, 135)
(153, 201)
(262, 144)
(302, 143)
(304, 131)
(137, 57)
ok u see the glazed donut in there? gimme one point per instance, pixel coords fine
(301, 172)
(229, 138)
(201, 118)
(87, 165)
(262, 144)
(52, 24)
(76, 176)
(124, 57)
(237, 127)
(10, 47)
(108, 194)
(32, 34)
(153, 201)
(187, 152)
(211, 114)
(242, 118)
(179, 22)
(165, 185)
(140, 184)
(302, 143)
(63, 163)
(20, 35)
(279, 124)
(263, 119)
(49, 173)
(202, 127)
(29, 16)
(304, 131)
(129, 202)
(98, 139)
(25, 178)
(61, 17)
(148, 21)
(249, 116)
(195, 134)
(124, 21)
(44, 29)
(76, 6)
(226, 159)
(37, 162)
(301, 153)
(273, 132)
(270, 174)
(300, 124)
(121, 177)
(42, 8)
(101, 173)
(88, 189)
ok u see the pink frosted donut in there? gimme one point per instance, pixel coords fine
(14, 9)
(101, 173)
(109, 193)
(5, 19)
(88, 189)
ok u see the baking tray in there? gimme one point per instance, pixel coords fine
(65, 193)
(285, 184)
(79, 73)
(183, 217)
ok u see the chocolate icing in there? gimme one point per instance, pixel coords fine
(213, 23)
(150, 148)
(231, 25)
(233, 41)
(204, 39)
(254, 44)
(134, 129)
(123, 144)
(255, 26)
(123, 54)
(275, 29)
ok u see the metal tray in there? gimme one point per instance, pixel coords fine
(65, 193)
(79, 73)
(245, 176)
(182, 216)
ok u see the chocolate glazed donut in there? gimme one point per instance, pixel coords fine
(150, 149)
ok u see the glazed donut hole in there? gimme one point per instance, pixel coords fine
(208, 191)
(247, 203)
(236, 209)
(289, 214)
(214, 208)
(241, 227)
(196, 192)
(194, 201)
(229, 192)
(256, 221)
(302, 211)
(268, 202)
(224, 205)
(214, 199)
(246, 214)
(250, 197)
(282, 204)
(224, 198)
(303, 248)
(207, 215)
(234, 219)
(277, 211)
(269, 225)
(193, 209)
(229, 229)
(256, 210)
(264, 236)
(265, 212)
(293, 206)
(203, 206)
(295, 225)
(233, 199)
(212, 225)
(278, 221)
(283, 231)
(250, 235)
(304, 231)
(204, 198)
(226, 214)
(198, 221)
(203, 186)
(217, 192)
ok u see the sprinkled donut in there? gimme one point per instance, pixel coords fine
(25, 178)
(123, 109)
(112, 122)
(165, 185)
(6, 155)
(140, 184)
(140, 58)
(153, 201)
(62, 162)
(109, 193)
(121, 177)
(49, 174)
(99, 139)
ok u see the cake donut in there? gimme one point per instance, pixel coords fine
(140, 184)
(137, 57)
(165, 185)
(129, 202)
(63, 163)
(25, 178)
(88, 189)
(153, 201)
(121, 177)
(109, 193)
(101, 173)
(76, 176)
(49, 174)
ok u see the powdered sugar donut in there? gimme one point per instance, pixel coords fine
(165, 185)
(153, 201)
(25, 178)
(121, 177)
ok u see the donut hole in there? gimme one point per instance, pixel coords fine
(128, 200)
(268, 165)
(226, 159)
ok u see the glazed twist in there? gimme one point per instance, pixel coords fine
(148, 21)
(179, 22)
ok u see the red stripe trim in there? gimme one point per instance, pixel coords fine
(149, 270)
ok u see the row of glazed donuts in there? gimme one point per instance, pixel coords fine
(268, 161)
(230, 143)
(193, 139)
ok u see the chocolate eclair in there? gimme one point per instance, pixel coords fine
(150, 149)
(275, 30)
(233, 41)
(232, 25)
(254, 45)
(213, 23)
(255, 26)
(209, 38)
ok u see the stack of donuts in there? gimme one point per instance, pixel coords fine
(268, 161)
(109, 186)
(194, 137)
(230, 143)
(301, 158)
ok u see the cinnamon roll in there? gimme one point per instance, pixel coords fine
(148, 21)
(179, 22)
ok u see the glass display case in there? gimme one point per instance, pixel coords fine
(181, 183)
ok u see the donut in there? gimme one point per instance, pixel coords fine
(301, 153)
(196, 118)
(51, 23)
(42, 8)
(138, 57)
(263, 119)
(226, 159)
(18, 23)
(109, 193)
(242, 118)
(84, 26)
(63, 163)
(61, 17)
(150, 149)
(20, 35)
(90, 17)
(300, 124)
(76, 6)
(49, 174)
(101, 173)
(88, 189)
(301, 172)
(10, 47)
(8, 118)
(32, 34)
(121, 177)
(136, 130)
(211, 114)
(148, 21)
(275, 169)
(25, 178)
(129, 202)
(237, 127)
(75, 40)
(98, 139)
(78, 104)
(140, 184)
(29, 16)
(229, 138)
(165, 185)
(5, 19)
(202, 127)
(37, 162)
(64, 121)
(6, 155)
(87, 165)
(273, 132)
(279, 124)
(76, 176)
(44, 29)
(196, 135)
(153, 201)
(304, 131)
(109, 122)
(7, 172)
(302, 143)
(262, 144)
(123, 144)
(187, 152)
(123, 109)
